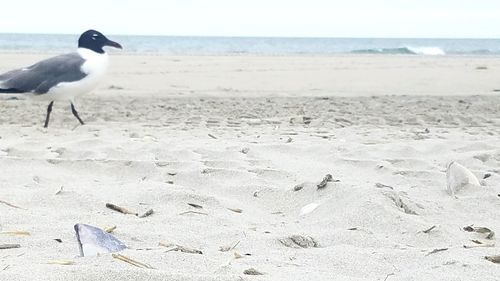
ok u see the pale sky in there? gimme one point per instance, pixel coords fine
(287, 18)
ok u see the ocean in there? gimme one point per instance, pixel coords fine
(195, 45)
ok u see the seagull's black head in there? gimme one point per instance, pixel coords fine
(95, 41)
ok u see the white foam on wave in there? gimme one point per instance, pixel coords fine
(428, 51)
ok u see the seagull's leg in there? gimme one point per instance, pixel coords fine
(76, 114)
(49, 110)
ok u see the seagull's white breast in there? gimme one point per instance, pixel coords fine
(95, 67)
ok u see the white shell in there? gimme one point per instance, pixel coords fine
(309, 208)
(458, 177)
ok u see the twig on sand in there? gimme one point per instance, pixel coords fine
(494, 259)
(9, 246)
(437, 251)
(228, 248)
(120, 209)
(61, 262)
(131, 261)
(26, 233)
(387, 276)
(11, 205)
(482, 245)
(5, 268)
(381, 185)
(193, 212)
(236, 210)
(429, 229)
(489, 233)
(195, 205)
(180, 248)
(212, 136)
(147, 214)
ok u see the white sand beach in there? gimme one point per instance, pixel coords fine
(240, 133)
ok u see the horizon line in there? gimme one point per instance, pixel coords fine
(261, 36)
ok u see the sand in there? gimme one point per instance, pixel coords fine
(242, 132)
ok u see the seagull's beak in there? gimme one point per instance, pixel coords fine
(113, 44)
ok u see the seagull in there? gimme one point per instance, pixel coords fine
(65, 76)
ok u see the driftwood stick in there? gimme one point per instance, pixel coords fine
(120, 209)
(11, 205)
(193, 212)
(494, 259)
(131, 261)
(437, 251)
(9, 246)
(429, 229)
(479, 246)
(16, 233)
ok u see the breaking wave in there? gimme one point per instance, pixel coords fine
(428, 51)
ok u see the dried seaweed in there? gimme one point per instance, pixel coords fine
(252, 271)
(298, 187)
(399, 202)
(147, 214)
(299, 241)
(306, 119)
(328, 178)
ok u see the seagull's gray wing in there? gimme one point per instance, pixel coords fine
(42, 76)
